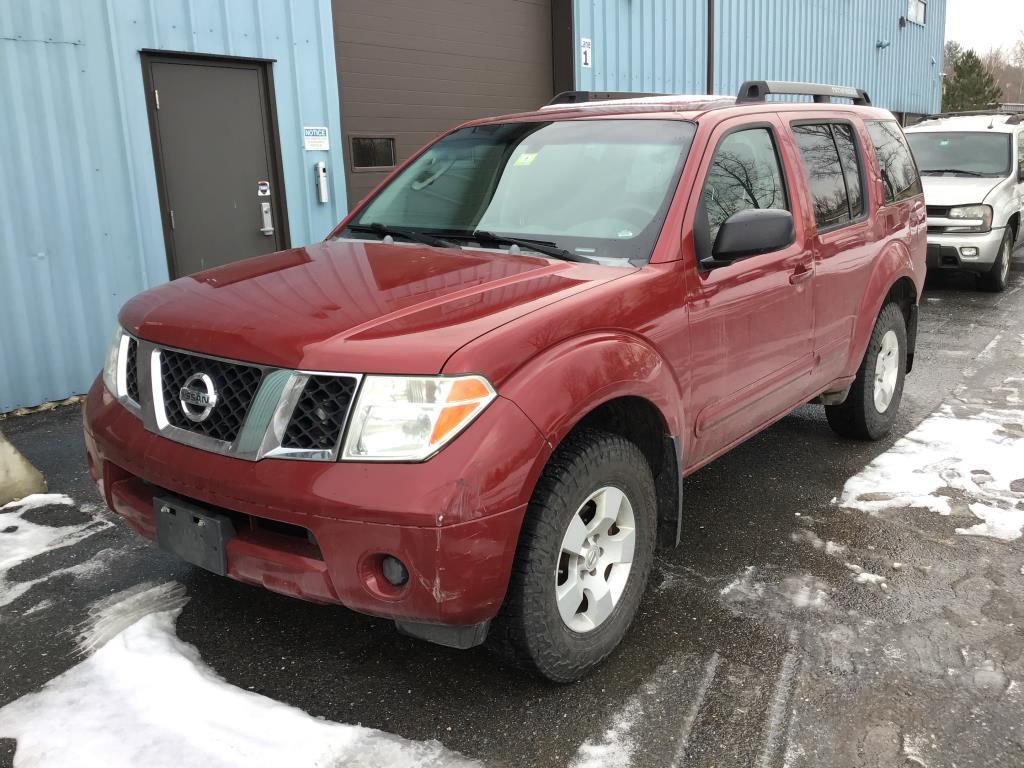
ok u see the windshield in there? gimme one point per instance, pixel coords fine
(594, 188)
(971, 154)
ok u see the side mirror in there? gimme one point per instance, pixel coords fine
(749, 233)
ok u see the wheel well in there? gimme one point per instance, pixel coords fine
(903, 293)
(1014, 224)
(639, 421)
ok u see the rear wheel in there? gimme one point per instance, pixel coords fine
(997, 278)
(869, 410)
(583, 558)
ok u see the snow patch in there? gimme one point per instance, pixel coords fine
(36, 500)
(744, 587)
(112, 615)
(146, 698)
(976, 456)
(22, 539)
(995, 522)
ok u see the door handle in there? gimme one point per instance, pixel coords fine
(268, 220)
(802, 273)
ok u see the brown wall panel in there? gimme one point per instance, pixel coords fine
(410, 69)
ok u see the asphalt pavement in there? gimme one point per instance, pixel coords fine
(759, 643)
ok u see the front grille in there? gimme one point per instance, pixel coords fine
(234, 383)
(132, 371)
(320, 413)
(938, 211)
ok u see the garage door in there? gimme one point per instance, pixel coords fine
(409, 69)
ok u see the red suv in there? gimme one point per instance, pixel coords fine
(470, 409)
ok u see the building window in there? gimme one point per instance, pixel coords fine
(917, 11)
(372, 153)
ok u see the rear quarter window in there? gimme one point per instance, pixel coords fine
(895, 161)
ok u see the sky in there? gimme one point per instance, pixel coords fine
(984, 24)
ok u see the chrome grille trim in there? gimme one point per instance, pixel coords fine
(266, 420)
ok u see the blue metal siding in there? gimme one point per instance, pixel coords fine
(657, 46)
(80, 229)
(660, 45)
(834, 41)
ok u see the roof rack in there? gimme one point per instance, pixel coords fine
(582, 97)
(757, 90)
(1013, 118)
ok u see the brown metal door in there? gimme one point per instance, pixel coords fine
(408, 70)
(216, 160)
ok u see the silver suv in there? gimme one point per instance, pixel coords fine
(972, 168)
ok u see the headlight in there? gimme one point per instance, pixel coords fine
(409, 418)
(113, 371)
(981, 214)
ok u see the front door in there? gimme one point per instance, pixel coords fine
(217, 160)
(750, 322)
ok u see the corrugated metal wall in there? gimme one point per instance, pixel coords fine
(660, 45)
(80, 225)
(834, 41)
(656, 46)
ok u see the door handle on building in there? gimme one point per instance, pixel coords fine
(268, 220)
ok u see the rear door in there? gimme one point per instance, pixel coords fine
(843, 238)
(751, 322)
(217, 160)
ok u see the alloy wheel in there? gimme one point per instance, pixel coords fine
(595, 559)
(886, 371)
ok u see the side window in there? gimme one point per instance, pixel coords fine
(895, 162)
(846, 142)
(1020, 153)
(745, 173)
(824, 174)
(830, 160)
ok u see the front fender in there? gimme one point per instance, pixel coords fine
(560, 386)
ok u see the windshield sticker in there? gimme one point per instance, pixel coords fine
(526, 158)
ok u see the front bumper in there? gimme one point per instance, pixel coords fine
(945, 251)
(453, 520)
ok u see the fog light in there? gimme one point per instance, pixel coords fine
(969, 253)
(394, 571)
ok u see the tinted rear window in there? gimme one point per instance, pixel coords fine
(895, 161)
(824, 174)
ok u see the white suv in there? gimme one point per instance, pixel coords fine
(972, 168)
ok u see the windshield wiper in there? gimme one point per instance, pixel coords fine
(546, 247)
(930, 171)
(383, 230)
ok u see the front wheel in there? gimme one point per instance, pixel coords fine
(584, 554)
(997, 278)
(869, 410)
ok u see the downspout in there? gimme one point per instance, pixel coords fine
(710, 78)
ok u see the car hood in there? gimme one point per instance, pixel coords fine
(946, 191)
(354, 305)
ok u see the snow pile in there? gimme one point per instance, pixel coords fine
(146, 698)
(979, 456)
(22, 539)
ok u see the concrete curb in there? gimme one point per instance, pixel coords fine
(18, 478)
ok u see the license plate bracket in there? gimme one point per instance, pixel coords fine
(193, 533)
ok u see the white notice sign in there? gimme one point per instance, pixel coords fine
(586, 54)
(315, 138)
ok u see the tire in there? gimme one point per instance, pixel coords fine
(530, 631)
(997, 278)
(860, 416)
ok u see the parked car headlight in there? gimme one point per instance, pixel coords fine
(409, 418)
(980, 213)
(112, 366)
